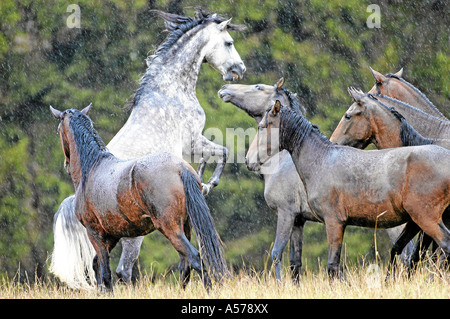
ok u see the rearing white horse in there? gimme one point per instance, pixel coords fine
(166, 116)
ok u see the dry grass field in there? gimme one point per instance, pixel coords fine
(362, 282)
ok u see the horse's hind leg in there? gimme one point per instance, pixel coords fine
(183, 266)
(188, 254)
(296, 248)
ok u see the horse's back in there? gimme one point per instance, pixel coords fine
(157, 177)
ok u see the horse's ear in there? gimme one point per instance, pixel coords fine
(223, 25)
(276, 107)
(399, 73)
(86, 110)
(56, 114)
(377, 75)
(355, 94)
(280, 83)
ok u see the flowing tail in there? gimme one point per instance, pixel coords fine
(211, 251)
(71, 260)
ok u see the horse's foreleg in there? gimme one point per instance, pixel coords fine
(285, 223)
(205, 148)
(296, 248)
(408, 233)
(201, 168)
(335, 234)
(102, 258)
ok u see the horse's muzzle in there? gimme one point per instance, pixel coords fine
(235, 72)
(224, 94)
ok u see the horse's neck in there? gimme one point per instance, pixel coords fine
(386, 129)
(392, 132)
(176, 71)
(75, 166)
(416, 98)
(309, 154)
(410, 136)
(427, 125)
(85, 153)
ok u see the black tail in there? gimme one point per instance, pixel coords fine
(211, 250)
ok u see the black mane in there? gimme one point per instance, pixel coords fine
(294, 127)
(408, 134)
(293, 101)
(91, 148)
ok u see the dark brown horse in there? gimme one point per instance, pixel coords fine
(127, 198)
(349, 186)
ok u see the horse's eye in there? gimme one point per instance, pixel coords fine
(229, 43)
(347, 117)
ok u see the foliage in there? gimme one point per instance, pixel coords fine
(320, 47)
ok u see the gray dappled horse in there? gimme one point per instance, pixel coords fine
(167, 117)
(349, 186)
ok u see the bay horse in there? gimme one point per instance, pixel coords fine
(368, 120)
(117, 198)
(349, 186)
(393, 85)
(166, 116)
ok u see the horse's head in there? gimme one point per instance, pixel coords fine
(354, 129)
(64, 131)
(266, 142)
(388, 84)
(254, 99)
(220, 52)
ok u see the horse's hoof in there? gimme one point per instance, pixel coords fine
(206, 189)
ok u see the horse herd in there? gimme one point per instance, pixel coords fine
(122, 193)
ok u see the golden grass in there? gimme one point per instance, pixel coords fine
(429, 282)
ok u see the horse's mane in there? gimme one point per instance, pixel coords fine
(294, 127)
(391, 75)
(293, 101)
(177, 26)
(91, 148)
(406, 105)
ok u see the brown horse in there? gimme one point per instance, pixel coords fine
(393, 85)
(349, 186)
(369, 120)
(127, 198)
